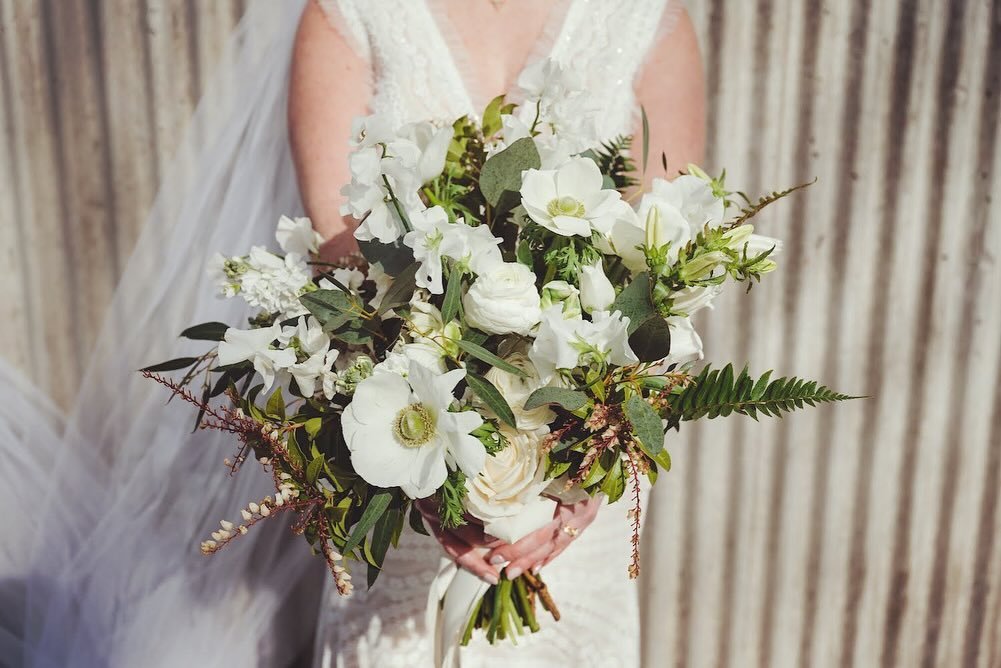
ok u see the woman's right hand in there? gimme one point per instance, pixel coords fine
(467, 545)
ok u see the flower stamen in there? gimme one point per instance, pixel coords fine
(414, 426)
(565, 206)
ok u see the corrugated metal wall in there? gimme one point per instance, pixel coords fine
(861, 535)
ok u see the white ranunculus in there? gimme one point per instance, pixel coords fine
(506, 493)
(401, 432)
(296, 235)
(516, 390)
(596, 291)
(503, 300)
(570, 200)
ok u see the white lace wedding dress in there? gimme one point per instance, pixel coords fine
(421, 73)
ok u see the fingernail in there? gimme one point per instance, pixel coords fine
(497, 559)
(512, 573)
(536, 568)
(491, 578)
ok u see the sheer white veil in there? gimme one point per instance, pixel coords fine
(102, 523)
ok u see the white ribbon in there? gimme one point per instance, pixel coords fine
(453, 595)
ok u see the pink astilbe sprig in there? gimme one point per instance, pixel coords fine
(291, 495)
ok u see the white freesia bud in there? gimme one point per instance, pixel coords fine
(561, 292)
(596, 291)
(504, 300)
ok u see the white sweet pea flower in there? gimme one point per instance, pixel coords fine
(570, 200)
(503, 300)
(516, 390)
(255, 345)
(296, 235)
(693, 198)
(382, 281)
(596, 291)
(434, 237)
(349, 277)
(692, 299)
(431, 143)
(401, 432)
(686, 345)
(626, 239)
(568, 343)
(506, 495)
(310, 347)
(372, 130)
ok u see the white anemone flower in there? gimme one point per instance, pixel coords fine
(570, 200)
(401, 432)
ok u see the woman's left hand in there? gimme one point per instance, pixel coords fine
(543, 545)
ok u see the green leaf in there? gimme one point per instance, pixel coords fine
(486, 391)
(276, 405)
(172, 365)
(484, 355)
(401, 291)
(647, 425)
(314, 469)
(393, 257)
(492, 116)
(207, 331)
(331, 307)
(635, 302)
(614, 483)
(453, 296)
(646, 136)
(568, 399)
(382, 536)
(651, 341)
(374, 509)
(502, 172)
(417, 521)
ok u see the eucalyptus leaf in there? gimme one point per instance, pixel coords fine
(374, 509)
(568, 399)
(207, 331)
(492, 397)
(647, 425)
(651, 341)
(402, 289)
(331, 307)
(484, 355)
(393, 257)
(635, 303)
(502, 172)
(172, 365)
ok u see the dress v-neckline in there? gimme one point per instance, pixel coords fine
(460, 63)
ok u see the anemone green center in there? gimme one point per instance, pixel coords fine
(565, 206)
(414, 426)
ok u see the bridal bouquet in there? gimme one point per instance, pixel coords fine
(517, 330)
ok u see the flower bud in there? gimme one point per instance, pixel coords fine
(561, 292)
(596, 291)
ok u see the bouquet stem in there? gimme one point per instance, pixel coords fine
(507, 609)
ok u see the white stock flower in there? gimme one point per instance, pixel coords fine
(570, 200)
(506, 493)
(516, 390)
(296, 235)
(503, 300)
(274, 284)
(596, 291)
(401, 432)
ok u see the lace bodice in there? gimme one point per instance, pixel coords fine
(420, 72)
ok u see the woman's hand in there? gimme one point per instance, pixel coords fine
(467, 545)
(543, 545)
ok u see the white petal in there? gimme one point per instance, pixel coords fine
(538, 188)
(380, 397)
(467, 452)
(579, 178)
(569, 226)
(513, 528)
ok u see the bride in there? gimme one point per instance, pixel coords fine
(112, 576)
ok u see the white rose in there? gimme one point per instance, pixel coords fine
(517, 389)
(503, 300)
(506, 493)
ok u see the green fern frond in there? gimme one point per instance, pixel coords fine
(614, 160)
(716, 392)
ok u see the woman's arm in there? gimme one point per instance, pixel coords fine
(329, 87)
(671, 88)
